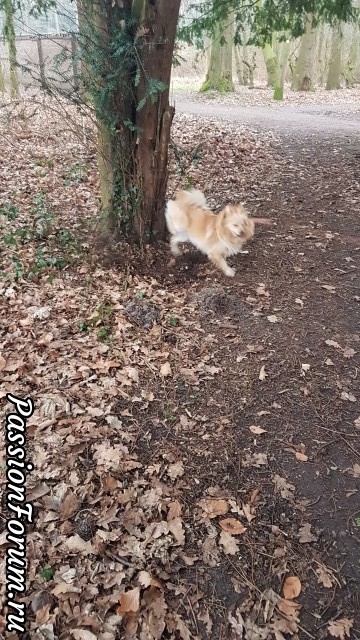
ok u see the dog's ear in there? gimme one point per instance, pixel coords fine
(248, 228)
(226, 211)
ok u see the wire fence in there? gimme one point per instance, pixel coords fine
(50, 61)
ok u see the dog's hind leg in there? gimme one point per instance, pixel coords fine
(221, 263)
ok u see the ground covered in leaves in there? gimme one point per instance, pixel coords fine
(196, 439)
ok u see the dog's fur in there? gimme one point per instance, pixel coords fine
(189, 220)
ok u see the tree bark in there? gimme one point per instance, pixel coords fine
(303, 78)
(10, 37)
(352, 59)
(321, 56)
(335, 62)
(239, 65)
(2, 79)
(155, 119)
(270, 63)
(219, 75)
(284, 50)
(133, 141)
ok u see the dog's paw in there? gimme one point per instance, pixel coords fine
(229, 272)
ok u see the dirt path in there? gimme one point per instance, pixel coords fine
(317, 120)
(301, 332)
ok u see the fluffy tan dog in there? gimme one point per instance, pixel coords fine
(218, 236)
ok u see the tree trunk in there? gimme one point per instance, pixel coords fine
(335, 63)
(270, 63)
(251, 66)
(131, 96)
(351, 63)
(219, 75)
(239, 65)
(2, 79)
(321, 54)
(155, 119)
(10, 37)
(284, 50)
(303, 78)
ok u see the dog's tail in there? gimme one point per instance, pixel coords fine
(191, 197)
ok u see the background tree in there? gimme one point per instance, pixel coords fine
(2, 79)
(335, 62)
(219, 76)
(352, 59)
(283, 51)
(304, 72)
(9, 32)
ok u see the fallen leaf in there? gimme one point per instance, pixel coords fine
(69, 506)
(43, 615)
(214, 507)
(254, 460)
(247, 509)
(146, 580)
(2, 363)
(229, 543)
(305, 534)
(341, 628)
(82, 634)
(301, 456)
(165, 369)
(174, 621)
(355, 471)
(75, 544)
(133, 374)
(282, 626)
(129, 601)
(257, 430)
(329, 362)
(175, 470)
(204, 617)
(305, 367)
(62, 588)
(261, 291)
(132, 624)
(348, 352)
(233, 526)
(289, 608)
(273, 319)
(357, 422)
(262, 374)
(285, 488)
(110, 483)
(328, 287)
(299, 301)
(325, 576)
(332, 343)
(237, 624)
(348, 396)
(177, 529)
(175, 510)
(291, 588)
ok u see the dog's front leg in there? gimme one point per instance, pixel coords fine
(174, 246)
(220, 262)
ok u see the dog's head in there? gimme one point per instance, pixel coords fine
(236, 221)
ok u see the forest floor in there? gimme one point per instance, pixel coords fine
(196, 438)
